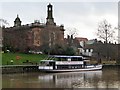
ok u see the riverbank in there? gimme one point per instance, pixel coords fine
(11, 69)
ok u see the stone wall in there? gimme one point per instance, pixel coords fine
(19, 69)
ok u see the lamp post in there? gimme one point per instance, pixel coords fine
(106, 33)
(106, 40)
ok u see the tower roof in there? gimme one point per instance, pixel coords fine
(50, 19)
(17, 19)
(49, 5)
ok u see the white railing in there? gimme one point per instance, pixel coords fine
(45, 67)
(68, 62)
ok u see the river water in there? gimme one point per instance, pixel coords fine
(106, 78)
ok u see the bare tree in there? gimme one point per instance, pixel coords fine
(105, 31)
(71, 31)
(3, 22)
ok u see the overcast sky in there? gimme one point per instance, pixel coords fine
(84, 16)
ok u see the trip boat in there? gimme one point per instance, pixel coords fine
(57, 63)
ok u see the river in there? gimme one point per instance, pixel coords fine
(107, 78)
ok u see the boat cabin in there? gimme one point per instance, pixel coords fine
(62, 62)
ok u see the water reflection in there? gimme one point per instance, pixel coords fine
(71, 80)
(91, 79)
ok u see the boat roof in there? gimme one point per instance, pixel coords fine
(63, 56)
(46, 60)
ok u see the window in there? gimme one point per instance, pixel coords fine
(49, 9)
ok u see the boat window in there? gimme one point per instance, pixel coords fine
(51, 63)
(80, 59)
(69, 59)
(76, 59)
(61, 59)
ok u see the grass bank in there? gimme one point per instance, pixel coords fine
(21, 58)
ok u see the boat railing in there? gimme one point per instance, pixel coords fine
(46, 58)
(49, 58)
(45, 67)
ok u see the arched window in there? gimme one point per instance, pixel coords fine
(49, 8)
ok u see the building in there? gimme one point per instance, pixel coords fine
(81, 40)
(35, 36)
(101, 50)
(77, 43)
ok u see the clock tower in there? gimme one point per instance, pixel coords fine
(50, 19)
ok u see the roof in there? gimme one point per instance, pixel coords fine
(46, 60)
(81, 39)
(49, 4)
(63, 56)
(17, 19)
(91, 42)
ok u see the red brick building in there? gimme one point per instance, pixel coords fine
(81, 39)
(35, 36)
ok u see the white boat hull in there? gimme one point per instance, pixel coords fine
(87, 68)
